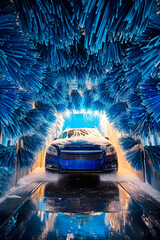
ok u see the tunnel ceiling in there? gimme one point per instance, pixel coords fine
(85, 54)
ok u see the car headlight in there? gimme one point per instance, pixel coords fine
(110, 150)
(52, 151)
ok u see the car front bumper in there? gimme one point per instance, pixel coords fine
(105, 164)
(82, 171)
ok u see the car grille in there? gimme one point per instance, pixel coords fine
(81, 156)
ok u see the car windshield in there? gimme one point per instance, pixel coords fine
(81, 133)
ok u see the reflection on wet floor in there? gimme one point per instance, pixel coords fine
(81, 208)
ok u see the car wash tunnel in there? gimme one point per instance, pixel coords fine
(80, 119)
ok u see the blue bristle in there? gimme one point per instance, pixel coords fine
(69, 104)
(152, 30)
(96, 25)
(104, 93)
(151, 58)
(28, 123)
(88, 99)
(95, 66)
(33, 80)
(25, 158)
(134, 78)
(111, 52)
(145, 55)
(26, 100)
(115, 83)
(7, 156)
(78, 74)
(10, 130)
(43, 130)
(77, 6)
(56, 58)
(144, 123)
(138, 16)
(135, 158)
(33, 143)
(8, 100)
(150, 94)
(76, 99)
(49, 83)
(66, 75)
(6, 175)
(116, 110)
(81, 86)
(61, 107)
(58, 93)
(113, 20)
(124, 124)
(154, 23)
(20, 123)
(47, 110)
(127, 143)
(134, 99)
(79, 53)
(17, 59)
(154, 154)
(98, 105)
(47, 21)
(31, 122)
(132, 61)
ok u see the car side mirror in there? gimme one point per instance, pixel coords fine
(55, 138)
(107, 138)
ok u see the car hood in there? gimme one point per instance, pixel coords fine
(83, 142)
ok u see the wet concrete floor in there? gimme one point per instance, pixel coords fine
(81, 207)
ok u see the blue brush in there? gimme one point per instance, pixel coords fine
(98, 105)
(47, 110)
(88, 99)
(154, 153)
(47, 22)
(124, 124)
(18, 61)
(31, 122)
(25, 158)
(135, 158)
(150, 94)
(111, 52)
(106, 21)
(144, 123)
(128, 143)
(58, 93)
(49, 83)
(43, 130)
(6, 175)
(9, 100)
(79, 53)
(33, 143)
(104, 93)
(76, 99)
(54, 57)
(116, 110)
(7, 156)
(61, 107)
(134, 99)
(145, 55)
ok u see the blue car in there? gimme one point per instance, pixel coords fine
(81, 150)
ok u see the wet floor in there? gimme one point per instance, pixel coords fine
(81, 207)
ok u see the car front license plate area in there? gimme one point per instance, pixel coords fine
(80, 160)
(81, 165)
